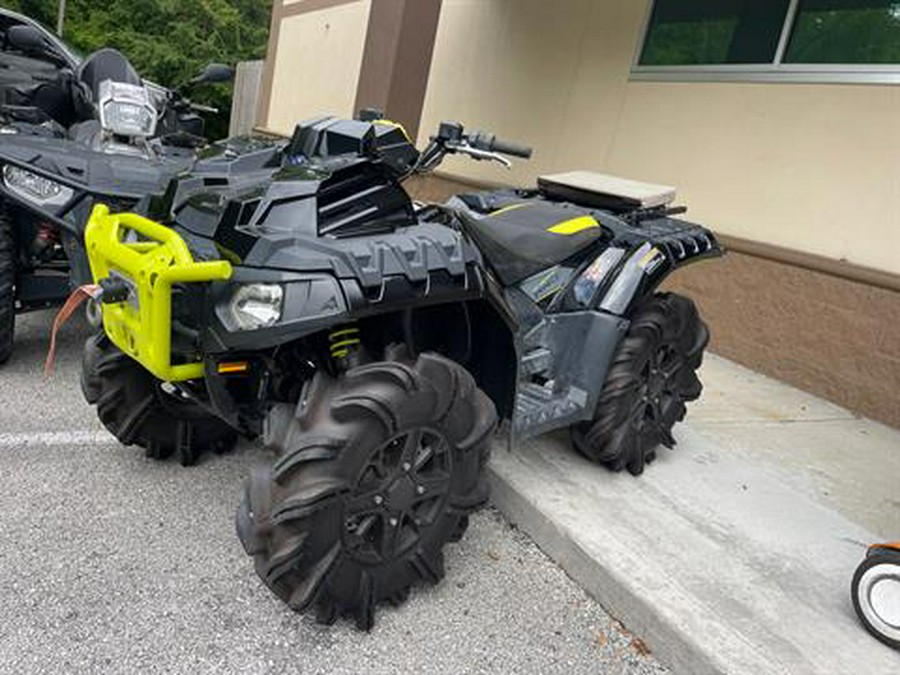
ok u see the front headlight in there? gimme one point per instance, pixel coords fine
(35, 188)
(256, 306)
(128, 119)
(125, 109)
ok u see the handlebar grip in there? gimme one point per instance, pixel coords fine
(490, 143)
(197, 107)
(513, 149)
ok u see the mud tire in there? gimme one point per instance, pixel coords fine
(135, 407)
(652, 378)
(318, 521)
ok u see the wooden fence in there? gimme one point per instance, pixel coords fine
(247, 84)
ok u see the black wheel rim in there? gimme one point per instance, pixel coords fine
(400, 493)
(657, 389)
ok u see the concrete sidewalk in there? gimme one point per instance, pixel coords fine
(735, 552)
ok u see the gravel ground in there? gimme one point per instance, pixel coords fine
(112, 563)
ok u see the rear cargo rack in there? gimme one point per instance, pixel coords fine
(602, 191)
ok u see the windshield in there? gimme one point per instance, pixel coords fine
(107, 64)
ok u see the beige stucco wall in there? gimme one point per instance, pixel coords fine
(317, 64)
(809, 167)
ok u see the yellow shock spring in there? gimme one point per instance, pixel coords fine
(342, 341)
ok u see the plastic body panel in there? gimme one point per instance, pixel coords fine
(563, 360)
(341, 237)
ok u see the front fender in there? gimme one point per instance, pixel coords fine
(312, 302)
(73, 224)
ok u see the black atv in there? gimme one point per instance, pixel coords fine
(297, 294)
(99, 133)
(30, 57)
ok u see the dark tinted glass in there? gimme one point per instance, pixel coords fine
(845, 31)
(713, 32)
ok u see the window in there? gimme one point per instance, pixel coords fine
(845, 31)
(771, 40)
(706, 32)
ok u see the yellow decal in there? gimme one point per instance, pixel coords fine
(393, 125)
(574, 226)
(507, 209)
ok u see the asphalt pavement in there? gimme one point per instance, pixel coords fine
(110, 562)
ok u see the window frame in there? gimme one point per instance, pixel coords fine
(776, 71)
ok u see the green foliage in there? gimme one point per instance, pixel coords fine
(42, 10)
(168, 41)
(689, 43)
(852, 32)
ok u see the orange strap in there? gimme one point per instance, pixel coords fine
(894, 545)
(80, 294)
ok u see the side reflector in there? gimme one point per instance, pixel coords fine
(645, 262)
(233, 368)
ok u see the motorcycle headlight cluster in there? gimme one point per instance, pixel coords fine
(34, 187)
(125, 109)
(255, 306)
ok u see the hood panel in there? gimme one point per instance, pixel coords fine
(95, 172)
(348, 216)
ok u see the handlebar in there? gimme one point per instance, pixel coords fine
(482, 140)
(480, 145)
(200, 108)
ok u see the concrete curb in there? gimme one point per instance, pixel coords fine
(677, 650)
(720, 564)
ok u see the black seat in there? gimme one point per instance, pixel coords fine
(525, 238)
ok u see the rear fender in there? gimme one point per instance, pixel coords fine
(645, 266)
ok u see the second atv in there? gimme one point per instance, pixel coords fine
(93, 133)
(297, 294)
